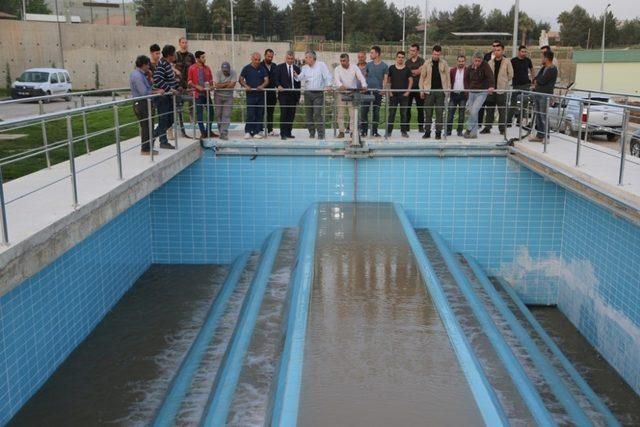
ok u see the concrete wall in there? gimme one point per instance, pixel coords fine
(113, 48)
(619, 76)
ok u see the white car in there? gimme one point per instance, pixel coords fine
(604, 117)
(42, 81)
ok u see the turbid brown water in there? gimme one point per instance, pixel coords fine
(376, 351)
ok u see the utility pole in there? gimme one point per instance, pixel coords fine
(124, 16)
(604, 22)
(516, 19)
(342, 28)
(59, 34)
(424, 34)
(233, 39)
(404, 22)
(24, 10)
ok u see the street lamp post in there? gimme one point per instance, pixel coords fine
(342, 28)
(233, 39)
(516, 18)
(424, 33)
(604, 24)
(404, 21)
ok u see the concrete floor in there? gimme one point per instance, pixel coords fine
(31, 108)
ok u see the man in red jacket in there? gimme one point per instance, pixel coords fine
(200, 78)
(459, 95)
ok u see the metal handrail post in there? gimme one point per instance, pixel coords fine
(586, 121)
(355, 133)
(116, 127)
(3, 213)
(623, 145)
(507, 108)
(72, 163)
(84, 126)
(579, 140)
(445, 116)
(195, 114)
(45, 140)
(546, 126)
(521, 113)
(176, 123)
(150, 124)
(208, 122)
(333, 113)
(264, 114)
(113, 95)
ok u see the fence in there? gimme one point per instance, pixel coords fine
(64, 135)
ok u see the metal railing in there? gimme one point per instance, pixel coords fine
(64, 135)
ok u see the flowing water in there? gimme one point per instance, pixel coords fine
(376, 350)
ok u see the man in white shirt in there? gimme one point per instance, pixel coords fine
(348, 78)
(459, 94)
(316, 78)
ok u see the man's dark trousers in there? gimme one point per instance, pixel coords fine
(165, 117)
(458, 102)
(288, 102)
(420, 107)
(255, 113)
(272, 99)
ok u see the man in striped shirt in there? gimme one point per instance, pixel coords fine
(164, 78)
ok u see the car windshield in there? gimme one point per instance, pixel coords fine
(34, 77)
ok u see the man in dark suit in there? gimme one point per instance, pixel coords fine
(285, 81)
(458, 101)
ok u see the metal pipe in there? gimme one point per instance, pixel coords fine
(579, 141)
(264, 115)
(507, 108)
(623, 146)
(72, 163)
(586, 120)
(150, 124)
(604, 25)
(545, 141)
(3, 213)
(516, 21)
(116, 126)
(176, 122)
(84, 126)
(521, 96)
(45, 140)
(333, 112)
(195, 115)
(445, 117)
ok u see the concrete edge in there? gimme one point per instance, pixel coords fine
(586, 186)
(27, 257)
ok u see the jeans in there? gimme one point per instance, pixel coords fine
(224, 106)
(165, 117)
(201, 104)
(540, 110)
(419, 106)
(313, 103)
(475, 102)
(394, 102)
(458, 103)
(375, 120)
(434, 101)
(255, 113)
(499, 101)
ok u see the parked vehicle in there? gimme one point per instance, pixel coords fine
(604, 116)
(42, 81)
(634, 146)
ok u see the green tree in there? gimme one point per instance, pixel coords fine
(611, 31)
(14, 7)
(575, 26)
(301, 17)
(246, 16)
(197, 16)
(325, 24)
(220, 13)
(629, 33)
(267, 14)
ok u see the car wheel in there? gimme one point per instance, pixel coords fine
(611, 137)
(47, 100)
(68, 97)
(635, 148)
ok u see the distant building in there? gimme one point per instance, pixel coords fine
(621, 70)
(105, 12)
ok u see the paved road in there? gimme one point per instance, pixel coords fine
(23, 109)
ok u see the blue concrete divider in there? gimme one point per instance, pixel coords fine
(488, 404)
(609, 418)
(284, 404)
(557, 385)
(217, 409)
(181, 382)
(522, 382)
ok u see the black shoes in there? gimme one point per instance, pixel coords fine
(405, 135)
(438, 135)
(167, 146)
(485, 130)
(426, 135)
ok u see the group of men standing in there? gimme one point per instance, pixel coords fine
(473, 92)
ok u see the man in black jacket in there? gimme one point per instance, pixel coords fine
(271, 93)
(284, 82)
(545, 82)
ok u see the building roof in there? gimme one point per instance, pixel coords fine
(611, 55)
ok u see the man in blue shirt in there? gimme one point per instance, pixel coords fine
(375, 71)
(254, 79)
(141, 86)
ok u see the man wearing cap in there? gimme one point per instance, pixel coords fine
(200, 79)
(225, 80)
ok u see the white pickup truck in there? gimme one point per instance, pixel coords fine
(603, 116)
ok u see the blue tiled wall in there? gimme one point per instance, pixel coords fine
(47, 316)
(487, 206)
(600, 282)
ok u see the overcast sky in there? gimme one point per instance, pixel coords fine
(547, 10)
